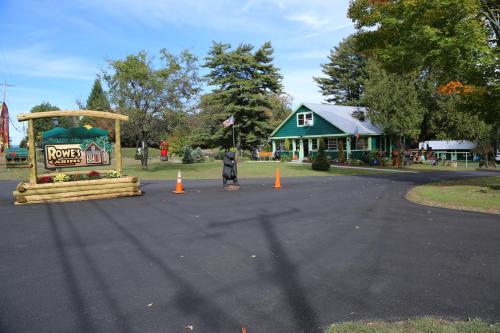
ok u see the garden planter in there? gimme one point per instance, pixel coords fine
(77, 190)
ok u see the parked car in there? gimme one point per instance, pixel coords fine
(497, 158)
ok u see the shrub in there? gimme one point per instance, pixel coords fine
(75, 177)
(177, 143)
(113, 174)
(220, 154)
(197, 155)
(320, 162)
(247, 154)
(61, 177)
(285, 158)
(93, 174)
(44, 180)
(187, 158)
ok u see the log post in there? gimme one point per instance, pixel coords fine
(118, 147)
(32, 151)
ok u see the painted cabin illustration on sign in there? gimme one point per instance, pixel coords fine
(93, 154)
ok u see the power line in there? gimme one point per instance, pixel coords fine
(5, 85)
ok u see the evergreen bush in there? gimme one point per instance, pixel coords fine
(197, 155)
(287, 145)
(187, 158)
(320, 162)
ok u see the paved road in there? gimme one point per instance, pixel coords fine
(323, 249)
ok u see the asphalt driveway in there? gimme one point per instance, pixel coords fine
(322, 249)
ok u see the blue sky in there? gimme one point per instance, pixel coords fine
(52, 50)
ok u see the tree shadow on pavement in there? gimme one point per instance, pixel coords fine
(189, 300)
(284, 272)
(85, 323)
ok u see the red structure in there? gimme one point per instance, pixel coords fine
(4, 128)
(163, 151)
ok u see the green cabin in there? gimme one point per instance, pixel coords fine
(334, 123)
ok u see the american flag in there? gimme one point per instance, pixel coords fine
(228, 122)
(356, 133)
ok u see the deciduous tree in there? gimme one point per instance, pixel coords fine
(393, 102)
(148, 91)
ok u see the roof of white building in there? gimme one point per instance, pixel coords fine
(448, 144)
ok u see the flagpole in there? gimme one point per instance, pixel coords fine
(234, 144)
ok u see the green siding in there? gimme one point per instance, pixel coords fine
(320, 127)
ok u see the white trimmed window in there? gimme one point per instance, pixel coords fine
(331, 144)
(305, 119)
(280, 145)
(314, 144)
(359, 144)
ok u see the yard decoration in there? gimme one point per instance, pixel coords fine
(230, 169)
(163, 150)
(64, 148)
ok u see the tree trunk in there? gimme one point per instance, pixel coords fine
(144, 160)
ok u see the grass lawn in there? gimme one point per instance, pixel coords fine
(428, 167)
(421, 325)
(480, 194)
(208, 170)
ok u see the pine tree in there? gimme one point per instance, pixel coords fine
(187, 158)
(97, 100)
(345, 73)
(245, 82)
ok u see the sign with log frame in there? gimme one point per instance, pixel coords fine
(75, 147)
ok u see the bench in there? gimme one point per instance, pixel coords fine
(16, 157)
(264, 154)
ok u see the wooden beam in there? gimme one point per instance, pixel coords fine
(23, 187)
(51, 196)
(71, 113)
(118, 147)
(32, 151)
(72, 188)
(85, 197)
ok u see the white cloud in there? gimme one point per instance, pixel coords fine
(310, 20)
(39, 61)
(301, 86)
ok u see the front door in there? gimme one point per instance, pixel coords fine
(305, 144)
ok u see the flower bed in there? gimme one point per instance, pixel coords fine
(63, 178)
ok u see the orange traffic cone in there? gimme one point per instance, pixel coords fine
(178, 186)
(243, 330)
(277, 182)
